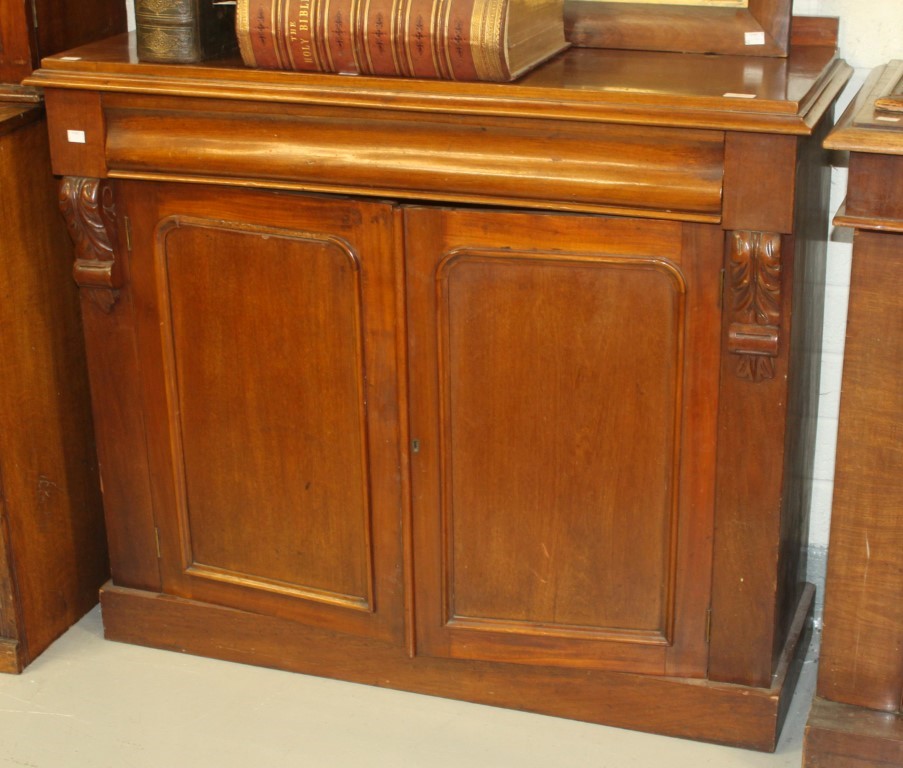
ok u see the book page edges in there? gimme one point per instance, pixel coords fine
(243, 32)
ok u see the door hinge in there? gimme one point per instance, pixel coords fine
(157, 540)
(708, 625)
(128, 233)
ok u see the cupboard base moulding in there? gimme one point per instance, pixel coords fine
(689, 708)
(842, 736)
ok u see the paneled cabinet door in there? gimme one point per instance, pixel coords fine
(266, 329)
(564, 384)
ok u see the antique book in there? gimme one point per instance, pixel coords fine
(184, 31)
(494, 40)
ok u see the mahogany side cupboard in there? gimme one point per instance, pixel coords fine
(496, 392)
(857, 716)
(53, 555)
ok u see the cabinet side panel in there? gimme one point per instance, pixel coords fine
(9, 625)
(807, 320)
(63, 25)
(50, 484)
(874, 187)
(16, 43)
(862, 650)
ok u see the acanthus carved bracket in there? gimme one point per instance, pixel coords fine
(87, 205)
(755, 303)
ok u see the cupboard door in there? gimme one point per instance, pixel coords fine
(267, 339)
(564, 383)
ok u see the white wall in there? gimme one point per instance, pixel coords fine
(871, 31)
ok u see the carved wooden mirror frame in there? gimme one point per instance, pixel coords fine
(747, 27)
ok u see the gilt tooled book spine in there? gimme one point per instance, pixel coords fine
(184, 31)
(447, 39)
(376, 36)
(339, 18)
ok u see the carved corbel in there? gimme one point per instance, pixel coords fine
(87, 205)
(754, 329)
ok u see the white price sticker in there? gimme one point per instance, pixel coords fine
(75, 137)
(754, 38)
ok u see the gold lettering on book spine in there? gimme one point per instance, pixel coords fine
(486, 39)
(300, 43)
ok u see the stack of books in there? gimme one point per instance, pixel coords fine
(489, 40)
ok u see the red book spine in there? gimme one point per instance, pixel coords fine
(339, 21)
(297, 32)
(418, 43)
(277, 34)
(470, 39)
(379, 56)
(449, 39)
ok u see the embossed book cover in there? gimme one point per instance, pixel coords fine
(183, 31)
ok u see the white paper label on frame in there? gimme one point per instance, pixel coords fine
(754, 38)
(75, 137)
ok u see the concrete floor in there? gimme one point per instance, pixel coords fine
(87, 702)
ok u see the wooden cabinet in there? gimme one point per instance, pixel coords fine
(30, 30)
(857, 718)
(52, 545)
(498, 392)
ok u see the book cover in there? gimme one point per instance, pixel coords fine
(492, 40)
(184, 31)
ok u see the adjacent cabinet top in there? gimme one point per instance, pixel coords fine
(748, 93)
(871, 129)
(874, 121)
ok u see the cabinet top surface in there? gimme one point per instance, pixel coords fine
(874, 120)
(694, 90)
(13, 115)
